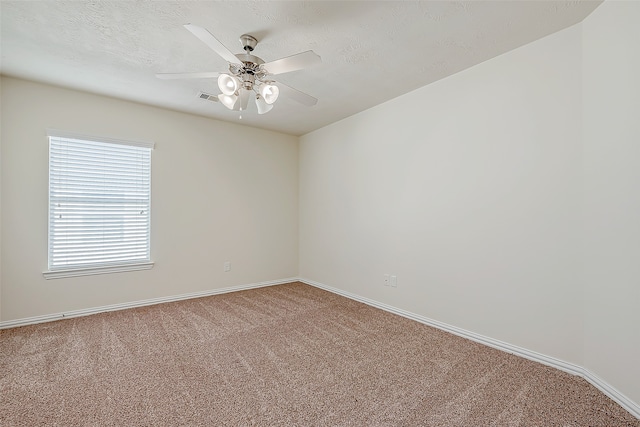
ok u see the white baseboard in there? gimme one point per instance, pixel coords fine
(612, 392)
(632, 407)
(113, 307)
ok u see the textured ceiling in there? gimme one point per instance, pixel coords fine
(371, 51)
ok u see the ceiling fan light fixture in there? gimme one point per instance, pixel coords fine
(228, 101)
(228, 84)
(248, 74)
(263, 107)
(269, 92)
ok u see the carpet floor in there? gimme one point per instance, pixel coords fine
(287, 355)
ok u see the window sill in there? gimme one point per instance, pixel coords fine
(89, 271)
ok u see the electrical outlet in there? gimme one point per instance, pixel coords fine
(386, 280)
(394, 281)
(227, 266)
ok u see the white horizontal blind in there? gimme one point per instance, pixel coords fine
(99, 203)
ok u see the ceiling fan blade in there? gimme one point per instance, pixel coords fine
(292, 63)
(207, 38)
(296, 95)
(171, 76)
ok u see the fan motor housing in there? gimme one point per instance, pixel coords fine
(245, 57)
(251, 67)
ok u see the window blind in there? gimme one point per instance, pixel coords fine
(99, 203)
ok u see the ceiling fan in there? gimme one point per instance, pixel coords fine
(249, 76)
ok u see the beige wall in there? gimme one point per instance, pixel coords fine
(219, 192)
(505, 198)
(469, 191)
(612, 194)
(1, 131)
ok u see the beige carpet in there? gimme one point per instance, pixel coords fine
(285, 355)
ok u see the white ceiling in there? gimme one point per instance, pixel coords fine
(372, 51)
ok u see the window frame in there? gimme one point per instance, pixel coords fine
(98, 268)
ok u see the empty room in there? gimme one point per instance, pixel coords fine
(320, 213)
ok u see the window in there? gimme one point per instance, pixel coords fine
(99, 205)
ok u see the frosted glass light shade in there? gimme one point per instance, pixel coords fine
(228, 101)
(269, 92)
(228, 84)
(245, 95)
(263, 107)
